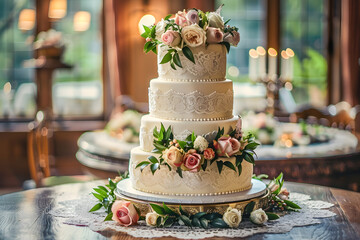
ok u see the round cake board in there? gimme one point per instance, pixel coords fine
(193, 204)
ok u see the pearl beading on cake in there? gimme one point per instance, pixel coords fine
(198, 194)
(196, 119)
(193, 80)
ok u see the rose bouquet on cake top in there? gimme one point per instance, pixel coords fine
(186, 30)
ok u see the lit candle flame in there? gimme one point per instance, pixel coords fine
(253, 53)
(284, 54)
(272, 52)
(7, 88)
(260, 50)
(290, 52)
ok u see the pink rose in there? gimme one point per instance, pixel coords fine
(171, 38)
(124, 213)
(227, 146)
(192, 161)
(233, 38)
(214, 35)
(209, 154)
(193, 16)
(181, 20)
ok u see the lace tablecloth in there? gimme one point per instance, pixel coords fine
(76, 212)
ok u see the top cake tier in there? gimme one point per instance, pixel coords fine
(210, 65)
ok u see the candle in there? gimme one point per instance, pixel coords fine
(284, 65)
(7, 99)
(272, 63)
(262, 61)
(253, 62)
(291, 55)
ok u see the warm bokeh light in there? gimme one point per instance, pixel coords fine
(233, 71)
(57, 9)
(26, 19)
(272, 52)
(7, 88)
(260, 51)
(290, 52)
(82, 21)
(146, 20)
(284, 54)
(253, 53)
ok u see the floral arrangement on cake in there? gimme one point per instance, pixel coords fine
(189, 29)
(126, 213)
(196, 153)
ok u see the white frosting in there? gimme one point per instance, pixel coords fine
(210, 64)
(191, 101)
(181, 129)
(204, 182)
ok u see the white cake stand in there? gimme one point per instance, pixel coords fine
(195, 203)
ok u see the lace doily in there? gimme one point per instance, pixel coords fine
(76, 212)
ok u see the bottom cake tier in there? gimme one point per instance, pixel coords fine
(208, 182)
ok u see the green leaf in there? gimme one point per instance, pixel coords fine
(98, 196)
(112, 184)
(158, 221)
(249, 158)
(146, 46)
(227, 45)
(166, 58)
(168, 210)
(137, 210)
(101, 192)
(144, 166)
(147, 29)
(230, 165)
(239, 169)
(188, 54)
(204, 223)
(260, 177)
(144, 35)
(158, 209)
(142, 163)
(195, 222)
(169, 222)
(152, 33)
(249, 208)
(182, 211)
(193, 137)
(179, 171)
(154, 50)
(172, 65)
(185, 220)
(272, 216)
(153, 159)
(166, 164)
(168, 133)
(251, 146)
(227, 21)
(220, 165)
(176, 59)
(167, 17)
(155, 133)
(103, 188)
(96, 207)
(199, 214)
(154, 167)
(204, 165)
(239, 159)
(182, 144)
(218, 223)
(292, 204)
(108, 217)
(212, 216)
(159, 146)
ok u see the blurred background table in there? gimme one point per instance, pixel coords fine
(25, 214)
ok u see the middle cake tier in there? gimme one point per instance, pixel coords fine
(194, 101)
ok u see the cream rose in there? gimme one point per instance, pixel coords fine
(151, 219)
(258, 216)
(160, 29)
(174, 156)
(181, 19)
(215, 20)
(232, 217)
(209, 154)
(193, 35)
(124, 213)
(233, 38)
(227, 146)
(171, 38)
(214, 35)
(192, 161)
(200, 143)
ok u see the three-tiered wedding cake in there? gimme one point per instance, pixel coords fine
(196, 98)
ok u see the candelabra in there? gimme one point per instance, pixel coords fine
(275, 84)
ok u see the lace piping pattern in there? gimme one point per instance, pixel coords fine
(173, 104)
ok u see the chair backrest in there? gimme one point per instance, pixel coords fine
(38, 148)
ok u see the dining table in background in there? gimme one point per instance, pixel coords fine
(25, 214)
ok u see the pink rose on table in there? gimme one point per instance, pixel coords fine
(193, 16)
(193, 35)
(227, 146)
(174, 156)
(209, 154)
(124, 213)
(192, 161)
(214, 35)
(181, 20)
(171, 38)
(233, 38)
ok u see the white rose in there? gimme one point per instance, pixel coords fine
(193, 35)
(215, 20)
(258, 216)
(151, 219)
(201, 143)
(159, 29)
(232, 217)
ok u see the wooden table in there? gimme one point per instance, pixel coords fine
(24, 215)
